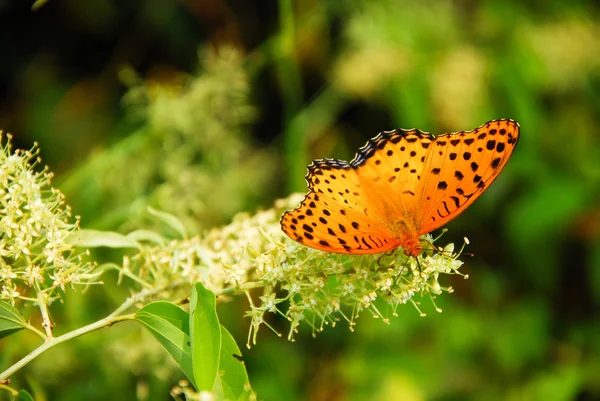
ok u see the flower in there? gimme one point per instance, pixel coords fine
(35, 224)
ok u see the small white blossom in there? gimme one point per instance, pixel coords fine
(348, 288)
(34, 273)
(367, 299)
(263, 261)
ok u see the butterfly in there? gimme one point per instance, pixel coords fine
(401, 185)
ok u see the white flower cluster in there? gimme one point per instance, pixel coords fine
(35, 254)
(316, 287)
(279, 276)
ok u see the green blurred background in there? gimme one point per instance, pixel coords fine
(213, 107)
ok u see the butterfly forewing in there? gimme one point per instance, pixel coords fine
(459, 167)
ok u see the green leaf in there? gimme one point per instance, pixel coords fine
(96, 238)
(232, 382)
(169, 220)
(205, 332)
(170, 326)
(11, 320)
(24, 396)
(147, 236)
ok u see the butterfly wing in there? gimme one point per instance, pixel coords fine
(460, 167)
(390, 168)
(335, 215)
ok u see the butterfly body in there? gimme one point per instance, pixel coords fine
(401, 185)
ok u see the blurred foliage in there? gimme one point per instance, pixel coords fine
(315, 79)
(203, 168)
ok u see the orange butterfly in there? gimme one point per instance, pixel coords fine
(402, 184)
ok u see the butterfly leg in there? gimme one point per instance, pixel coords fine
(398, 277)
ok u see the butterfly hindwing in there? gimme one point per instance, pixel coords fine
(334, 215)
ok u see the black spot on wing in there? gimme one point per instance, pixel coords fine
(456, 201)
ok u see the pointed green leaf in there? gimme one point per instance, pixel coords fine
(205, 332)
(170, 326)
(24, 396)
(11, 320)
(232, 382)
(169, 220)
(96, 238)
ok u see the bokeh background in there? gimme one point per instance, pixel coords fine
(209, 108)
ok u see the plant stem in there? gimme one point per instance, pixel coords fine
(114, 317)
(51, 342)
(12, 391)
(36, 331)
(242, 288)
(46, 323)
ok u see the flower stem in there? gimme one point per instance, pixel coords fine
(114, 317)
(52, 342)
(36, 331)
(46, 323)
